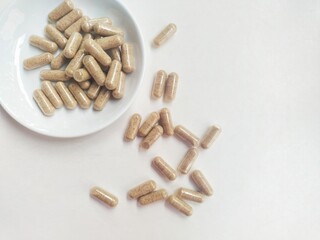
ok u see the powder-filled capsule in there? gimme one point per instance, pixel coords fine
(68, 19)
(43, 102)
(164, 168)
(102, 99)
(104, 196)
(201, 182)
(82, 99)
(93, 90)
(127, 57)
(56, 36)
(180, 205)
(148, 124)
(165, 34)
(110, 42)
(152, 137)
(51, 93)
(142, 189)
(37, 61)
(133, 127)
(159, 84)
(58, 61)
(171, 87)
(210, 136)
(73, 45)
(66, 96)
(186, 136)
(61, 10)
(54, 75)
(166, 121)
(94, 69)
(153, 197)
(75, 27)
(118, 93)
(81, 75)
(113, 76)
(95, 50)
(105, 29)
(188, 160)
(190, 195)
(75, 63)
(43, 44)
(88, 25)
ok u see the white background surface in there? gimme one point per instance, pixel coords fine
(252, 67)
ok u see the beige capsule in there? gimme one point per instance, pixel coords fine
(164, 168)
(165, 34)
(54, 75)
(86, 37)
(75, 63)
(152, 137)
(37, 61)
(110, 42)
(43, 44)
(72, 45)
(171, 87)
(188, 160)
(159, 84)
(102, 99)
(43, 102)
(190, 195)
(127, 57)
(63, 9)
(210, 136)
(152, 197)
(105, 29)
(75, 27)
(180, 205)
(104, 196)
(88, 25)
(115, 54)
(202, 183)
(51, 93)
(166, 121)
(79, 95)
(85, 85)
(94, 69)
(58, 61)
(118, 92)
(95, 50)
(81, 75)
(93, 91)
(133, 127)
(148, 124)
(66, 96)
(69, 19)
(186, 136)
(142, 189)
(56, 36)
(113, 76)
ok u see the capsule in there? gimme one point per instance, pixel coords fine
(186, 136)
(75, 27)
(142, 189)
(166, 122)
(165, 34)
(106, 30)
(43, 102)
(202, 183)
(127, 56)
(104, 196)
(93, 91)
(43, 44)
(66, 96)
(94, 70)
(118, 93)
(153, 197)
(180, 205)
(58, 61)
(75, 63)
(115, 54)
(171, 87)
(133, 127)
(148, 124)
(79, 95)
(54, 75)
(63, 9)
(210, 136)
(56, 36)
(86, 37)
(51, 93)
(102, 99)
(85, 85)
(37, 61)
(88, 25)
(81, 75)
(113, 76)
(164, 168)
(110, 42)
(69, 19)
(152, 137)
(159, 84)
(95, 50)
(72, 45)
(188, 160)
(190, 195)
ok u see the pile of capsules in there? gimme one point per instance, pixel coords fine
(96, 56)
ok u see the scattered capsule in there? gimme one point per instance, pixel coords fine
(66, 96)
(148, 124)
(94, 69)
(202, 183)
(188, 160)
(75, 63)
(106, 30)
(43, 44)
(210, 136)
(93, 91)
(190, 195)
(118, 93)
(68, 19)
(159, 84)
(72, 45)
(88, 25)
(75, 27)
(142, 189)
(37, 61)
(186, 136)
(153, 197)
(164, 168)
(85, 85)
(58, 61)
(166, 122)
(79, 95)
(63, 9)
(43, 102)
(133, 127)
(152, 137)
(110, 42)
(104, 196)
(102, 99)
(113, 76)
(95, 50)
(171, 87)
(165, 34)
(81, 75)
(54, 75)
(180, 205)
(127, 56)
(115, 54)
(56, 36)
(51, 93)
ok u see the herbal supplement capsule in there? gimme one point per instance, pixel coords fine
(171, 87)
(43, 102)
(79, 95)
(159, 84)
(152, 137)
(64, 8)
(110, 42)
(186, 136)
(180, 205)
(118, 93)
(69, 19)
(58, 61)
(104, 196)
(142, 189)
(95, 50)
(94, 70)
(148, 124)
(88, 25)
(73, 45)
(75, 27)
(51, 93)
(166, 122)
(81, 75)
(75, 63)
(66, 96)
(164, 168)
(202, 183)
(113, 76)
(43, 44)
(188, 160)
(54, 75)
(191, 195)
(153, 197)
(86, 37)
(127, 56)
(115, 54)
(211, 135)
(93, 91)
(56, 36)
(85, 85)
(106, 30)
(102, 99)
(165, 34)
(37, 61)
(133, 127)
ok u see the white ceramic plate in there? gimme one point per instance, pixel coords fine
(18, 20)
